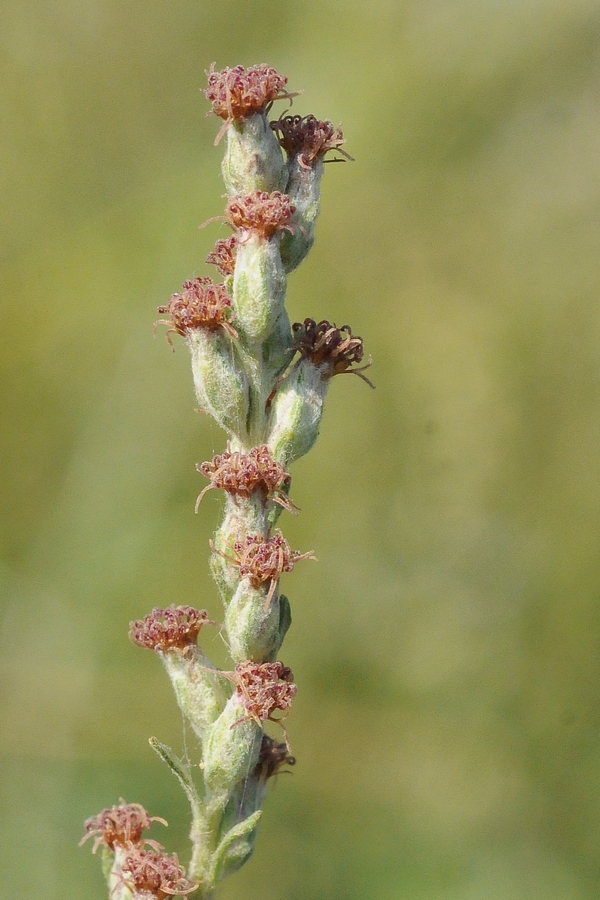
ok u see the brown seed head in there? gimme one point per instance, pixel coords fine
(307, 138)
(271, 758)
(334, 349)
(173, 628)
(121, 825)
(238, 93)
(155, 875)
(243, 473)
(223, 256)
(201, 304)
(260, 212)
(263, 688)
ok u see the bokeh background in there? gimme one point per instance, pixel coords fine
(446, 643)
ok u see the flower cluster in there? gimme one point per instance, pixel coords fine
(120, 826)
(272, 757)
(151, 874)
(307, 138)
(263, 689)
(243, 473)
(223, 256)
(201, 304)
(237, 93)
(333, 349)
(173, 628)
(260, 212)
(263, 559)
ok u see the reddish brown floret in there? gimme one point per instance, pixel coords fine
(121, 825)
(271, 758)
(238, 93)
(243, 473)
(223, 256)
(157, 875)
(201, 304)
(307, 138)
(333, 349)
(263, 689)
(260, 212)
(173, 628)
(264, 559)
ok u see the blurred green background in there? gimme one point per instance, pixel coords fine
(446, 643)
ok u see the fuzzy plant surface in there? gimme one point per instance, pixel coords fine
(264, 382)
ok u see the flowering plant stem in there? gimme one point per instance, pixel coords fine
(264, 383)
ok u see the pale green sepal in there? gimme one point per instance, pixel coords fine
(285, 617)
(296, 413)
(235, 848)
(231, 749)
(243, 516)
(253, 159)
(253, 632)
(219, 379)
(201, 696)
(117, 881)
(259, 284)
(304, 191)
(108, 861)
(278, 350)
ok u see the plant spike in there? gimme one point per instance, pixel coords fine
(264, 383)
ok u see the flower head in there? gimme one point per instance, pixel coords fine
(223, 256)
(173, 628)
(307, 138)
(152, 874)
(271, 758)
(243, 473)
(263, 688)
(121, 825)
(260, 212)
(263, 559)
(333, 349)
(238, 93)
(201, 304)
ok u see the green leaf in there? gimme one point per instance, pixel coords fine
(234, 848)
(180, 770)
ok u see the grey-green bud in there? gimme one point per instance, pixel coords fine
(304, 190)
(296, 412)
(254, 632)
(253, 160)
(259, 285)
(231, 748)
(219, 379)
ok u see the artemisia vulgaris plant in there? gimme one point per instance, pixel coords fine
(264, 382)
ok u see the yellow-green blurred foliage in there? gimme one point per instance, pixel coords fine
(446, 643)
